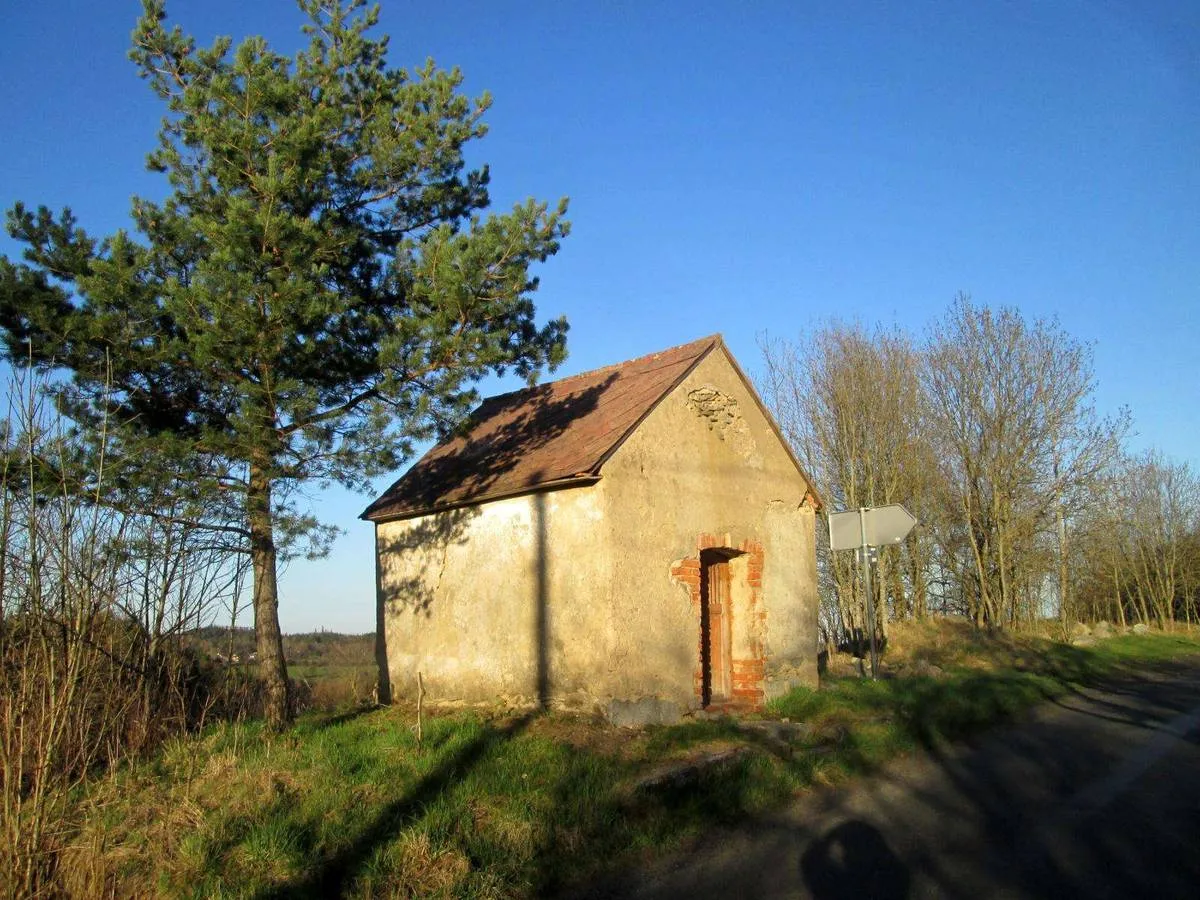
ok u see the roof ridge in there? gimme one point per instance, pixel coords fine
(714, 338)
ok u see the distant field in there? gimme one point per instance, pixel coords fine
(310, 673)
(331, 671)
(314, 650)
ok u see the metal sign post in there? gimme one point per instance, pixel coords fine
(861, 530)
(869, 597)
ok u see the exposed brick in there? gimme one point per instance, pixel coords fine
(747, 674)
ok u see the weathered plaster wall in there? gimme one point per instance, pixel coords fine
(485, 602)
(706, 469)
(570, 593)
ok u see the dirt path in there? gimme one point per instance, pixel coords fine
(1094, 795)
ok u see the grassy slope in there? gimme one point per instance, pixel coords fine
(491, 807)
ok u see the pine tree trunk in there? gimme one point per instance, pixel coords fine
(272, 668)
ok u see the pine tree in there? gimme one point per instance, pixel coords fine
(319, 289)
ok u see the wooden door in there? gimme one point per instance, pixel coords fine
(716, 631)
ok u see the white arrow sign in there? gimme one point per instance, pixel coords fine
(888, 524)
(881, 525)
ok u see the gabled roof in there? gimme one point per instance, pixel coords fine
(545, 436)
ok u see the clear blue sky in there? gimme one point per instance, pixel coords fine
(741, 167)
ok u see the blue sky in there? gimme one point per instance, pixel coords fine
(745, 167)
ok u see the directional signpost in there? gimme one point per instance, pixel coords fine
(876, 526)
(864, 528)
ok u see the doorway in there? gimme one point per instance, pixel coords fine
(716, 628)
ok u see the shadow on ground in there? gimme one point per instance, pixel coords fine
(1095, 795)
(334, 876)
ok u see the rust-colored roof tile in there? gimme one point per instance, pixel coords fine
(548, 434)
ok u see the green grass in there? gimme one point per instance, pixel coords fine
(513, 807)
(1143, 648)
(332, 670)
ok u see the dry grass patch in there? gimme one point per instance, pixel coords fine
(416, 867)
(954, 642)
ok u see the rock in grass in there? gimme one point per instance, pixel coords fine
(689, 772)
(644, 711)
(923, 668)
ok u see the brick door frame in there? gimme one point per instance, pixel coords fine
(749, 671)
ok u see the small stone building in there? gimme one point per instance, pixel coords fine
(640, 535)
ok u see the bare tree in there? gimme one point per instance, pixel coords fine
(1020, 446)
(1140, 559)
(849, 400)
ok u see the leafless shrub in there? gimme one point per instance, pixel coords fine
(93, 597)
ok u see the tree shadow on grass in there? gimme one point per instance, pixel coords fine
(592, 828)
(335, 719)
(932, 711)
(334, 875)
